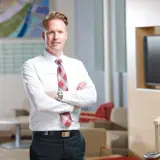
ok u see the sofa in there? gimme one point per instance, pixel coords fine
(116, 131)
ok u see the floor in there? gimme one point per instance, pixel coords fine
(23, 154)
(14, 154)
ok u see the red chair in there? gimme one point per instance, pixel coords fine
(104, 110)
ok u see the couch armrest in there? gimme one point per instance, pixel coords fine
(95, 138)
(117, 139)
(117, 127)
(103, 124)
(20, 112)
(108, 125)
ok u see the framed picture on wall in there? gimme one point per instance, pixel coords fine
(22, 18)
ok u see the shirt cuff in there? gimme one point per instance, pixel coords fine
(72, 109)
(67, 96)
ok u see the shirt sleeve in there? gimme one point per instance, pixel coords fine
(37, 95)
(84, 97)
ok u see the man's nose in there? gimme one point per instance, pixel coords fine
(55, 36)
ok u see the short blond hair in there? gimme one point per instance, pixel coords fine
(54, 15)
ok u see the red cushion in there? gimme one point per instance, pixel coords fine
(87, 113)
(104, 110)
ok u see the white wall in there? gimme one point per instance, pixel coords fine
(11, 96)
(143, 104)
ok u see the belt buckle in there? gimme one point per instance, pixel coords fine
(65, 134)
(46, 133)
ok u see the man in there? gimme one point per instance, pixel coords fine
(57, 87)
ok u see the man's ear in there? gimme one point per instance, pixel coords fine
(43, 35)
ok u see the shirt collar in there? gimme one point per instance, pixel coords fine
(50, 57)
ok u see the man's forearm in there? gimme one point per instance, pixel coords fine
(82, 98)
(52, 94)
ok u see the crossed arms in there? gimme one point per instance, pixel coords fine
(80, 86)
(85, 94)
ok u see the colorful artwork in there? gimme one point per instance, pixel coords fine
(22, 18)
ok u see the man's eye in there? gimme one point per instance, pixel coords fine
(50, 33)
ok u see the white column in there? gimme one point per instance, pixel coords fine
(107, 51)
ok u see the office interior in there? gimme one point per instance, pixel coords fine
(103, 34)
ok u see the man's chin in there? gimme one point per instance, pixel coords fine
(54, 51)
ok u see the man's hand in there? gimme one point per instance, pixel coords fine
(76, 107)
(52, 94)
(81, 85)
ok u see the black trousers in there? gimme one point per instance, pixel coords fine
(56, 147)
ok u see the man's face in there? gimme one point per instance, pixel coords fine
(55, 36)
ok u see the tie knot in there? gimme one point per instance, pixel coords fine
(58, 61)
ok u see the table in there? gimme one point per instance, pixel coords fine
(17, 122)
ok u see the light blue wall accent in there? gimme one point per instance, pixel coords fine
(99, 35)
(13, 53)
(89, 42)
(118, 45)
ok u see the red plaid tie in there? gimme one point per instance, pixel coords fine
(62, 84)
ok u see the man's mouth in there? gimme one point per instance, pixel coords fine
(55, 42)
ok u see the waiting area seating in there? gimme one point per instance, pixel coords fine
(105, 133)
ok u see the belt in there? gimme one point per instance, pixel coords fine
(65, 133)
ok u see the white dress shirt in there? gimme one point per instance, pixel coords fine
(39, 76)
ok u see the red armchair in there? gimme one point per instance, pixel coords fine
(104, 110)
